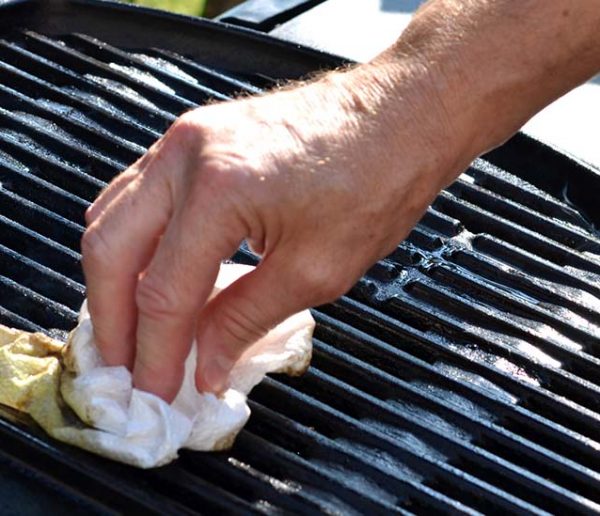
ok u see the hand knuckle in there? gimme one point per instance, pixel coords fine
(221, 176)
(331, 291)
(90, 215)
(240, 328)
(155, 299)
(322, 282)
(149, 361)
(186, 127)
(95, 249)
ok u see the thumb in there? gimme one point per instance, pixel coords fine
(240, 315)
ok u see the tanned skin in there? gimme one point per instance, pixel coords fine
(322, 179)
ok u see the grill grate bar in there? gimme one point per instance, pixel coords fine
(40, 249)
(99, 166)
(17, 321)
(187, 89)
(364, 318)
(45, 312)
(479, 364)
(41, 279)
(22, 182)
(195, 492)
(33, 218)
(252, 485)
(485, 310)
(463, 361)
(449, 271)
(330, 390)
(380, 389)
(452, 408)
(50, 168)
(511, 187)
(529, 263)
(490, 338)
(94, 110)
(103, 142)
(145, 113)
(277, 462)
(440, 223)
(309, 473)
(528, 485)
(40, 219)
(485, 306)
(478, 220)
(561, 232)
(72, 500)
(64, 462)
(319, 449)
(549, 295)
(378, 445)
(212, 78)
(80, 63)
(581, 333)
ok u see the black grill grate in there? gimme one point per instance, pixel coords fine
(460, 374)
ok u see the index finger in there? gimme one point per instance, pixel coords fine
(174, 288)
(115, 249)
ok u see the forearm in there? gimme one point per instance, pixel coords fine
(502, 61)
(481, 68)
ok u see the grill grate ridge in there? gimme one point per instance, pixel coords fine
(95, 111)
(305, 441)
(328, 389)
(384, 390)
(189, 89)
(478, 220)
(426, 346)
(561, 231)
(375, 441)
(154, 92)
(496, 180)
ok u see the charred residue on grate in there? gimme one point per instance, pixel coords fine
(460, 374)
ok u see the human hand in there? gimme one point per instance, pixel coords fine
(322, 180)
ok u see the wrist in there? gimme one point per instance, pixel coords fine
(407, 113)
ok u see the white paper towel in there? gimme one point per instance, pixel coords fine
(139, 428)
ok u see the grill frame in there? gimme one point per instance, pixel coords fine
(216, 45)
(325, 441)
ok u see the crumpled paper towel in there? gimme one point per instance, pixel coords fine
(78, 400)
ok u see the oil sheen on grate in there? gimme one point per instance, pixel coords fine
(461, 374)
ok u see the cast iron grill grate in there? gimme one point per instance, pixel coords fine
(460, 374)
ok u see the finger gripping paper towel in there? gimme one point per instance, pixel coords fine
(77, 399)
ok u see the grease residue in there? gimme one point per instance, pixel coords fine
(167, 66)
(143, 77)
(357, 481)
(121, 90)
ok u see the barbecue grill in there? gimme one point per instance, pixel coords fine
(461, 374)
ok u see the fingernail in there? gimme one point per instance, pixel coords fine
(216, 374)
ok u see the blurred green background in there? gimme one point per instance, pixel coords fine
(208, 8)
